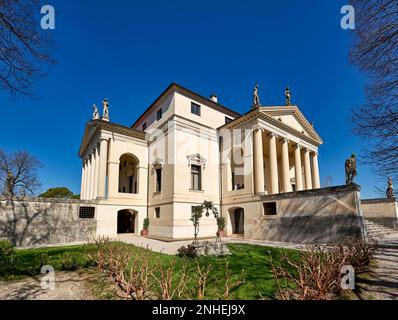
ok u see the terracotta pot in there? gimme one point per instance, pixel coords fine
(220, 233)
(144, 232)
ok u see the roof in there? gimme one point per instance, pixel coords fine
(174, 87)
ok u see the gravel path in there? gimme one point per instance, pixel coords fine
(172, 247)
(382, 283)
(68, 286)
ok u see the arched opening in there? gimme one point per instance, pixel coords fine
(237, 217)
(128, 174)
(126, 221)
(237, 169)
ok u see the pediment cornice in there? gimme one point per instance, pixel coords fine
(94, 128)
(266, 114)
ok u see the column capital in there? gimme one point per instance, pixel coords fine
(298, 146)
(273, 134)
(283, 139)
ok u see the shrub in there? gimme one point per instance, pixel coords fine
(357, 253)
(73, 261)
(146, 223)
(221, 223)
(316, 274)
(7, 257)
(44, 259)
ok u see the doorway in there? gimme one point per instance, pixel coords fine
(238, 221)
(126, 221)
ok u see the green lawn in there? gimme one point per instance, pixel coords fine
(253, 260)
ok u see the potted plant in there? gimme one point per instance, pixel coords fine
(221, 226)
(144, 232)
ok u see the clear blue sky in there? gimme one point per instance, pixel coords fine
(130, 52)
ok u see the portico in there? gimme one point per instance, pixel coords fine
(278, 164)
(284, 150)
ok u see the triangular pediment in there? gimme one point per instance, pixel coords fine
(292, 117)
(95, 127)
(88, 133)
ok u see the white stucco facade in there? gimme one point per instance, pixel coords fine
(193, 150)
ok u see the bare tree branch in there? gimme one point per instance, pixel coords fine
(24, 46)
(23, 167)
(375, 52)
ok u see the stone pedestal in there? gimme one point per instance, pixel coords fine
(206, 248)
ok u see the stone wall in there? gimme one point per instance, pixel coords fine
(320, 215)
(33, 221)
(382, 211)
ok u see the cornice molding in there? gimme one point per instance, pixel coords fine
(258, 114)
(93, 128)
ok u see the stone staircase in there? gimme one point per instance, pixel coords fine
(377, 231)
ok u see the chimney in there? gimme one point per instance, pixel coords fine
(214, 98)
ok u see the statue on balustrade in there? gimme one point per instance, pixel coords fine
(95, 113)
(256, 96)
(105, 112)
(288, 97)
(390, 189)
(350, 169)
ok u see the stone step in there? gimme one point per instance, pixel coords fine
(377, 231)
(380, 230)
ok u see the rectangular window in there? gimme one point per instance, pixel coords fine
(159, 115)
(195, 108)
(269, 209)
(144, 126)
(157, 213)
(228, 120)
(86, 212)
(158, 180)
(196, 177)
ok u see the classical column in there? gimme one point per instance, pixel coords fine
(90, 177)
(95, 179)
(96, 167)
(83, 179)
(273, 159)
(298, 168)
(287, 186)
(307, 170)
(86, 182)
(86, 177)
(103, 154)
(315, 171)
(258, 170)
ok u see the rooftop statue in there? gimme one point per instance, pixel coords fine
(288, 96)
(95, 113)
(105, 112)
(390, 189)
(350, 169)
(256, 97)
